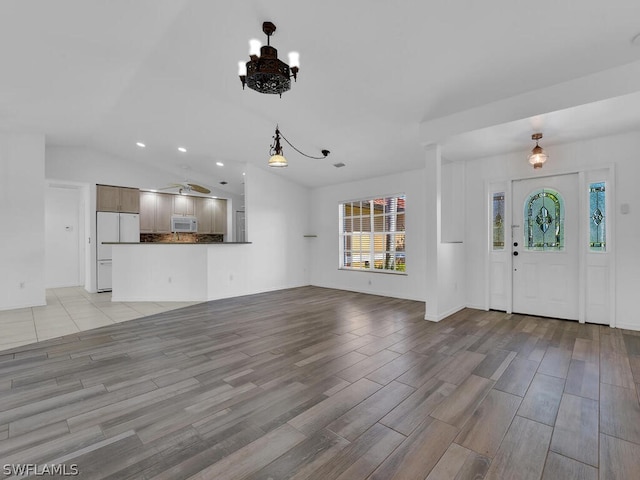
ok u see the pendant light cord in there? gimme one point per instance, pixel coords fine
(304, 154)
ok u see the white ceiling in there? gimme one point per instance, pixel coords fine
(108, 73)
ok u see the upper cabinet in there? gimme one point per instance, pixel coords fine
(183, 205)
(117, 199)
(212, 215)
(155, 212)
(219, 216)
(204, 214)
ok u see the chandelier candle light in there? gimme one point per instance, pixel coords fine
(264, 72)
(538, 156)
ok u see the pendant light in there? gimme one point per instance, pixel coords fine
(538, 156)
(277, 158)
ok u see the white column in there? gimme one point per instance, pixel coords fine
(433, 185)
(445, 256)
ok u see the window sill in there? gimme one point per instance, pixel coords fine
(372, 270)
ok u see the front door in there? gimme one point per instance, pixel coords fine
(545, 246)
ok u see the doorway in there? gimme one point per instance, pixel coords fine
(545, 246)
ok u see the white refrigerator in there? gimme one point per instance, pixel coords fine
(113, 227)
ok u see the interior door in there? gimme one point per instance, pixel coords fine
(62, 237)
(545, 217)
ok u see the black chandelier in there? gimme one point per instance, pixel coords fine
(277, 158)
(265, 73)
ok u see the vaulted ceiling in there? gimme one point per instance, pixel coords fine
(106, 74)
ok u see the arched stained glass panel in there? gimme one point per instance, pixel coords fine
(544, 221)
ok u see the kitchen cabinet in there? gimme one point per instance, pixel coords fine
(220, 216)
(147, 212)
(212, 215)
(155, 212)
(204, 214)
(164, 202)
(117, 199)
(183, 205)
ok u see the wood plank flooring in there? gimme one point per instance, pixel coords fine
(314, 383)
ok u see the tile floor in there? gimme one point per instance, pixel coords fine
(71, 310)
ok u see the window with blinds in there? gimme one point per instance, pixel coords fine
(372, 234)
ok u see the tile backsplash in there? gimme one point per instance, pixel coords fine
(182, 237)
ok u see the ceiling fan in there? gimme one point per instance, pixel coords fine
(187, 187)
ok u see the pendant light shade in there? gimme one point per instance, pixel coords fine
(278, 161)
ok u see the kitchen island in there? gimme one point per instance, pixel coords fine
(178, 271)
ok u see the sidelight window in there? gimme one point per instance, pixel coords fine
(497, 221)
(597, 218)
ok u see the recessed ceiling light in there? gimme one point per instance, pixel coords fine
(182, 149)
(243, 173)
(140, 144)
(220, 164)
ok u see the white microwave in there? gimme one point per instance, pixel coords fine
(184, 224)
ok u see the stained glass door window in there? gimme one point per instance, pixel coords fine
(497, 221)
(544, 221)
(597, 220)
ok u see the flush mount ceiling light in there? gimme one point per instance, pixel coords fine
(538, 156)
(265, 73)
(277, 158)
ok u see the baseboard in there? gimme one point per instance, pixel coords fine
(628, 326)
(369, 292)
(477, 307)
(444, 315)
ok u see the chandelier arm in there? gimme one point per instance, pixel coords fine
(301, 153)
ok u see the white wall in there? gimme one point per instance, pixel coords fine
(325, 248)
(618, 150)
(277, 220)
(22, 190)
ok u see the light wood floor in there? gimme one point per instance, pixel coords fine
(312, 383)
